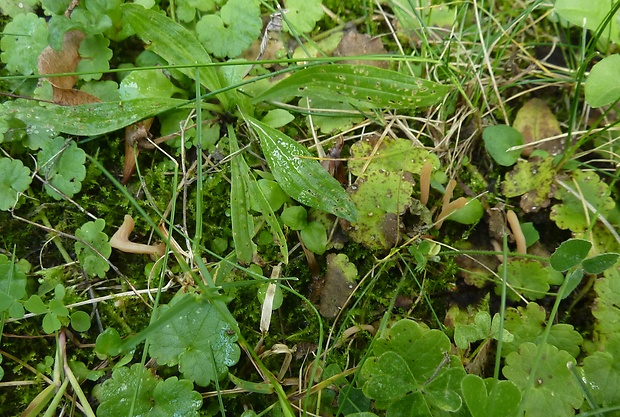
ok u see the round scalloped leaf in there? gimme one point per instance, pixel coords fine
(91, 235)
(555, 391)
(23, 40)
(95, 56)
(533, 181)
(302, 14)
(12, 284)
(62, 166)
(233, 30)
(200, 341)
(14, 179)
(570, 213)
(155, 397)
(569, 254)
(529, 278)
(602, 373)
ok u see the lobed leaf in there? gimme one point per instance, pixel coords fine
(62, 167)
(92, 262)
(149, 396)
(302, 178)
(199, 341)
(12, 287)
(14, 179)
(360, 85)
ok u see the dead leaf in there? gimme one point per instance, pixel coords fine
(339, 284)
(535, 122)
(73, 97)
(136, 137)
(65, 60)
(354, 43)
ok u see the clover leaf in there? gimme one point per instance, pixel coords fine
(23, 40)
(12, 287)
(155, 397)
(92, 233)
(14, 179)
(200, 341)
(302, 15)
(62, 168)
(233, 30)
(554, 392)
(56, 314)
(481, 329)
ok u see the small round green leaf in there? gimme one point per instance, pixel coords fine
(498, 139)
(570, 254)
(314, 237)
(471, 213)
(80, 321)
(295, 217)
(108, 343)
(277, 298)
(601, 88)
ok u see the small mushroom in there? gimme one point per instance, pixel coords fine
(515, 227)
(120, 240)
(425, 181)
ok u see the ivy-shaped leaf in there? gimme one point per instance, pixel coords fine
(92, 233)
(200, 342)
(570, 213)
(95, 56)
(233, 30)
(14, 179)
(155, 397)
(12, 287)
(62, 167)
(302, 14)
(23, 40)
(527, 324)
(554, 392)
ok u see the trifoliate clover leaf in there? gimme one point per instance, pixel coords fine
(155, 397)
(482, 328)
(527, 325)
(554, 392)
(302, 15)
(227, 35)
(23, 40)
(92, 262)
(62, 167)
(12, 287)
(143, 84)
(200, 341)
(602, 372)
(14, 179)
(570, 213)
(95, 56)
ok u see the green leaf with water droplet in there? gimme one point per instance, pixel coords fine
(362, 86)
(302, 178)
(93, 118)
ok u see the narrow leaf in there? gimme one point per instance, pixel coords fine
(93, 118)
(301, 177)
(242, 222)
(174, 43)
(362, 86)
(599, 263)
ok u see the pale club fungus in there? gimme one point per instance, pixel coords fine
(120, 240)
